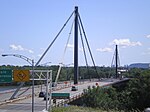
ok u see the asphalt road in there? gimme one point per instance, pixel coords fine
(6, 95)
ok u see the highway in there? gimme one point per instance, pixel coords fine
(24, 105)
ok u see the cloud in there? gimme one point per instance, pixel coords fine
(16, 47)
(30, 51)
(106, 49)
(42, 49)
(19, 48)
(39, 55)
(125, 42)
(148, 36)
(72, 47)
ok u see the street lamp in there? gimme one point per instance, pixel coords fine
(31, 62)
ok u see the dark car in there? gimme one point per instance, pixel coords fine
(74, 88)
(46, 96)
(54, 84)
(41, 94)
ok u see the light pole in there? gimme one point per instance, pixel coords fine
(31, 62)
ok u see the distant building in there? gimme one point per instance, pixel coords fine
(140, 65)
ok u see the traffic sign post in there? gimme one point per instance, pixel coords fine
(5, 75)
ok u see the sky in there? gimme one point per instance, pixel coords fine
(27, 27)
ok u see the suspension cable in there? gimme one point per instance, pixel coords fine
(88, 45)
(118, 60)
(54, 40)
(62, 60)
(84, 49)
(83, 46)
(112, 60)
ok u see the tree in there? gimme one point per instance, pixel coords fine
(137, 93)
(104, 98)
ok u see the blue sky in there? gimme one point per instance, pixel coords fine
(27, 27)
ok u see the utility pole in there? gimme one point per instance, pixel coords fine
(76, 47)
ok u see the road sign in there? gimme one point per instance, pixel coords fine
(21, 75)
(60, 95)
(5, 75)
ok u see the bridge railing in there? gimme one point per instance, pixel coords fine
(63, 102)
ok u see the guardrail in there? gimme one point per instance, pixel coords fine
(63, 102)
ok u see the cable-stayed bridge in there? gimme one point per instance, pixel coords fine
(23, 103)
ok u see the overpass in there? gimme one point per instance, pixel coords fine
(23, 104)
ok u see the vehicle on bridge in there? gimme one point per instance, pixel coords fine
(42, 94)
(74, 88)
(45, 96)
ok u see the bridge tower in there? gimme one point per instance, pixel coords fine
(116, 61)
(76, 47)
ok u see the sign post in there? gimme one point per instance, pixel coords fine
(5, 75)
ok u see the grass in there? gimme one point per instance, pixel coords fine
(79, 109)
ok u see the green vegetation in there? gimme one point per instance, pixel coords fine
(79, 109)
(67, 73)
(135, 96)
(104, 98)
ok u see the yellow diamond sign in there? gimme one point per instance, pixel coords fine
(21, 75)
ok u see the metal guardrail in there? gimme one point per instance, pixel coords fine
(63, 102)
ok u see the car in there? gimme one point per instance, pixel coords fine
(74, 88)
(54, 84)
(45, 96)
(42, 94)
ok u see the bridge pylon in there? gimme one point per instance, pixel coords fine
(116, 62)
